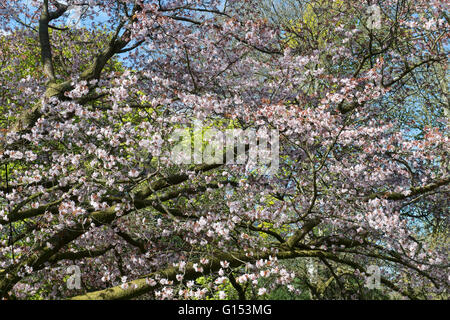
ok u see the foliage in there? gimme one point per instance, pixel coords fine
(88, 117)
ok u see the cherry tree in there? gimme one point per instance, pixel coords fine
(88, 180)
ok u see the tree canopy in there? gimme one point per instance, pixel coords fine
(355, 115)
